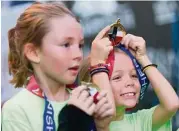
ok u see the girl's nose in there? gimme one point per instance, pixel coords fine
(77, 53)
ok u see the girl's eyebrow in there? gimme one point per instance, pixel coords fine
(71, 38)
(82, 41)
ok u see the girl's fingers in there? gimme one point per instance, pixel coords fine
(91, 109)
(102, 94)
(108, 113)
(104, 109)
(84, 95)
(76, 92)
(89, 102)
(100, 104)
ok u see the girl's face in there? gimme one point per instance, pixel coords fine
(124, 81)
(61, 53)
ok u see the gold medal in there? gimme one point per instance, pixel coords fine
(118, 25)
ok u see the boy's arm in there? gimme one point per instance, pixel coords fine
(101, 47)
(169, 102)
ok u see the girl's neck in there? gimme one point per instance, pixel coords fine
(120, 111)
(52, 89)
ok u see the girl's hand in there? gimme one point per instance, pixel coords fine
(104, 111)
(136, 45)
(101, 47)
(81, 98)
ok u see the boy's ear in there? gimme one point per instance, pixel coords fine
(32, 53)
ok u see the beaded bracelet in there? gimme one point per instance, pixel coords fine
(147, 66)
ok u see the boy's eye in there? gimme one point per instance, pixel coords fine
(134, 76)
(117, 78)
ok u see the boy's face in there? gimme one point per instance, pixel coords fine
(124, 81)
(61, 53)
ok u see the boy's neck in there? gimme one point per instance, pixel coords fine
(120, 111)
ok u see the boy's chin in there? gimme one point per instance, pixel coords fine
(130, 104)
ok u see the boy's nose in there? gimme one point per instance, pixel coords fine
(129, 82)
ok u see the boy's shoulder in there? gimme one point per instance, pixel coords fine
(144, 118)
(142, 113)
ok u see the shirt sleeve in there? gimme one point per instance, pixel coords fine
(14, 118)
(145, 118)
(14, 126)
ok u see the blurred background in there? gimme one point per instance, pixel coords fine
(156, 21)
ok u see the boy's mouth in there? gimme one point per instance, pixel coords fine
(128, 94)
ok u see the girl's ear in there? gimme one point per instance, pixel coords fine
(32, 53)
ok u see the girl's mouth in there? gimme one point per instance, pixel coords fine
(74, 69)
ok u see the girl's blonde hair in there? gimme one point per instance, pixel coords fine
(31, 27)
(84, 73)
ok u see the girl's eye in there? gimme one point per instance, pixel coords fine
(66, 45)
(81, 46)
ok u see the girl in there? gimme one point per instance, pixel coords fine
(46, 48)
(126, 88)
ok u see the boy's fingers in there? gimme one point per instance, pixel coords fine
(102, 33)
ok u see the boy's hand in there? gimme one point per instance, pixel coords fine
(101, 47)
(137, 46)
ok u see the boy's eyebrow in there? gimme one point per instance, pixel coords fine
(118, 71)
(122, 70)
(133, 70)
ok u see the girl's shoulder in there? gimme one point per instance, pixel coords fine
(23, 98)
(21, 110)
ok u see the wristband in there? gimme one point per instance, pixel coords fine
(147, 66)
(98, 70)
(100, 65)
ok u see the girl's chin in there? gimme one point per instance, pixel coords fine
(69, 82)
